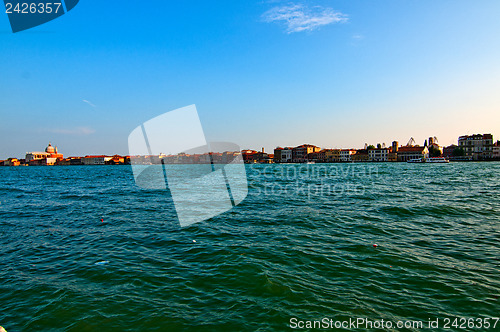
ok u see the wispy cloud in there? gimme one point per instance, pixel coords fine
(72, 131)
(297, 17)
(88, 102)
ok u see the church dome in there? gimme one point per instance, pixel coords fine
(50, 149)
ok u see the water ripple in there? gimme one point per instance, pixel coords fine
(302, 253)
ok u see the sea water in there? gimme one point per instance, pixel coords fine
(84, 249)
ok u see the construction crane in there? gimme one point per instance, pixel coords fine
(411, 142)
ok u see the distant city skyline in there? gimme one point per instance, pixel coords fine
(411, 141)
(337, 74)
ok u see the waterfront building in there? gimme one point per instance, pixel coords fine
(393, 152)
(49, 157)
(116, 160)
(12, 162)
(164, 159)
(449, 150)
(228, 157)
(277, 155)
(378, 155)
(360, 156)
(346, 154)
(216, 158)
(477, 147)
(142, 160)
(248, 156)
(299, 153)
(170, 159)
(406, 153)
(139, 160)
(70, 161)
(197, 158)
(183, 158)
(332, 155)
(319, 157)
(96, 160)
(286, 155)
(392, 156)
(434, 146)
(262, 157)
(252, 156)
(336, 155)
(496, 151)
(322, 156)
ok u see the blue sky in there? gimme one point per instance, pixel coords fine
(261, 73)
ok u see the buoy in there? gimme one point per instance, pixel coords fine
(375, 245)
(102, 220)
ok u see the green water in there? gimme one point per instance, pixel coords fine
(300, 246)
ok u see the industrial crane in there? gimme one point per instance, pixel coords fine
(411, 142)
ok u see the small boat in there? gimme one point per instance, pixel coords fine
(311, 162)
(436, 160)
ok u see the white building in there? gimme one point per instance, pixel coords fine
(346, 154)
(30, 156)
(49, 157)
(380, 154)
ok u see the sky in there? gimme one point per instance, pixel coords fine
(337, 74)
